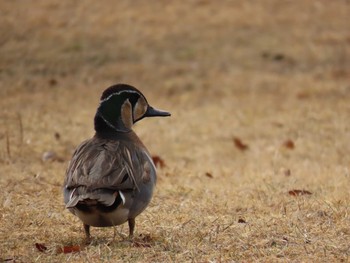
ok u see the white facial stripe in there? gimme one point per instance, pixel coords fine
(131, 113)
(117, 93)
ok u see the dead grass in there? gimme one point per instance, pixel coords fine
(264, 72)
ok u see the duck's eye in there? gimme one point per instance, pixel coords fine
(140, 108)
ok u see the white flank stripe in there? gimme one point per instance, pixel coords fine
(122, 196)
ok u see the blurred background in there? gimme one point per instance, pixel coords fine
(215, 66)
(238, 68)
(258, 91)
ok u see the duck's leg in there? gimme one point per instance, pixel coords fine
(131, 222)
(87, 233)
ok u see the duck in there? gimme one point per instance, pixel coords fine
(111, 177)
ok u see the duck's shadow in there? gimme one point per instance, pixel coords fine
(77, 244)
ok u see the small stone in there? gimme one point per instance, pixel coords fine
(7, 202)
(49, 155)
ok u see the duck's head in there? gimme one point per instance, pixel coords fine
(121, 106)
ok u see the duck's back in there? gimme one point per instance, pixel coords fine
(109, 173)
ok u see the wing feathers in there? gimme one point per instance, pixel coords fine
(102, 169)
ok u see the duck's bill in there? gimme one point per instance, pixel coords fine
(152, 112)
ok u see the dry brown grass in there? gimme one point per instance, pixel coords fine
(264, 72)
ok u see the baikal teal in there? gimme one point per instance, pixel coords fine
(111, 177)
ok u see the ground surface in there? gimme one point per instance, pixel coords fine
(259, 93)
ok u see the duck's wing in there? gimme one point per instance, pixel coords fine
(100, 168)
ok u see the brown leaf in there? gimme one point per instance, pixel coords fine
(242, 221)
(57, 136)
(289, 144)
(239, 144)
(52, 82)
(279, 57)
(340, 74)
(40, 247)
(207, 174)
(287, 172)
(299, 192)
(277, 124)
(69, 249)
(303, 95)
(7, 260)
(158, 162)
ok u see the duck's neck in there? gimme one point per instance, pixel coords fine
(101, 126)
(104, 131)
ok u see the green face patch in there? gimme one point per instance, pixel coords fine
(111, 109)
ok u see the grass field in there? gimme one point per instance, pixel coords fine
(259, 93)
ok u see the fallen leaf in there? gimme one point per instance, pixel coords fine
(303, 95)
(242, 221)
(273, 56)
(7, 260)
(57, 136)
(69, 249)
(299, 192)
(277, 124)
(239, 144)
(207, 174)
(40, 247)
(158, 162)
(265, 54)
(287, 172)
(340, 74)
(289, 144)
(279, 57)
(52, 82)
